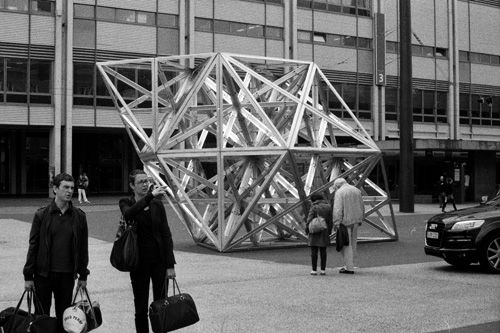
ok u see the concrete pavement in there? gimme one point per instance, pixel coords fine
(247, 295)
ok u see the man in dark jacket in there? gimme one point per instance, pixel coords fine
(58, 249)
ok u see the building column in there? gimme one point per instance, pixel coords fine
(68, 88)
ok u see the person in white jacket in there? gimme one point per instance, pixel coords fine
(348, 209)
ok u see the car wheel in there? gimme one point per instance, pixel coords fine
(460, 263)
(489, 255)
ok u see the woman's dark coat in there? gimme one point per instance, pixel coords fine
(323, 209)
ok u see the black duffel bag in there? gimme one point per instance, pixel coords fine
(125, 252)
(173, 312)
(20, 321)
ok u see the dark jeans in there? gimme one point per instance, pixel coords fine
(314, 257)
(449, 199)
(61, 285)
(140, 278)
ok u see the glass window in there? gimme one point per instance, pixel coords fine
(441, 52)
(201, 24)
(304, 3)
(416, 50)
(349, 95)
(475, 105)
(83, 79)
(364, 7)
(485, 59)
(391, 103)
(255, 30)
(463, 56)
(168, 41)
(274, 33)
(2, 83)
(319, 37)
(365, 97)
(221, 26)
(333, 101)
(464, 105)
(42, 6)
(427, 51)
(475, 57)
(335, 6)
(364, 43)
(320, 4)
(239, 29)
(417, 102)
(391, 47)
(171, 21)
(124, 89)
(84, 33)
(84, 11)
(16, 5)
(495, 107)
(334, 40)
(495, 60)
(17, 79)
(40, 74)
(123, 15)
(349, 41)
(429, 102)
(441, 102)
(146, 18)
(105, 13)
(349, 6)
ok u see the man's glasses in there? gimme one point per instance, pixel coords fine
(142, 182)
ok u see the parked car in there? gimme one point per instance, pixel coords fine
(467, 236)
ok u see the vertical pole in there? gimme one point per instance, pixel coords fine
(406, 191)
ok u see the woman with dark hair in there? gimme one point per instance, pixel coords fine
(320, 240)
(156, 255)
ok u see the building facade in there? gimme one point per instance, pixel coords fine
(56, 114)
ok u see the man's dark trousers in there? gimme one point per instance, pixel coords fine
(61, 284)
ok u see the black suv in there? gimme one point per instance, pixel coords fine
(467, 236)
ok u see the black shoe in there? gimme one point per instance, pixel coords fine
(345, 271)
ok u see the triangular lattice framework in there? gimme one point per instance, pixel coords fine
(242, 142)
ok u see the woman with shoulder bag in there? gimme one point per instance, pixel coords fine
(318, 241)
(154, 239)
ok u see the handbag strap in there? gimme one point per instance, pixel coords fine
(174, 285)
(90, 303)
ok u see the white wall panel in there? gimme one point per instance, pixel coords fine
(203, 8)
(83, 117)
(85, 2)
(391, 19)
(391, 64)
(441, 24)
(485, 29)
(171, 7)
(304, 52)
(14, 27)
(145, 5)
(274, 48)
(423, 68)
(242, 45)
(462, 25)
(365, 27)
(422, 22)
(108, 117)
(304, 19)
(442, 69)
(275, 16)
(484, 74)
(337, 24)
(240, 11)
(126, 37)
(203, 42)
(336, 58)
(14, 114)
(41, 115)
(42, 30)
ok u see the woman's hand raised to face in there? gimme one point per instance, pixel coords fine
(159, 190)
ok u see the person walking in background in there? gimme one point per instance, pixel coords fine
(58, 250)
(156, 254)
(83, 184)
(319, 241)
(441, 189)
(450, 197)
(348, 209)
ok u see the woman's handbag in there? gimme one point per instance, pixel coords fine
(317, 224)
(20, 321)
(341, 238)
(92, 310)
(125, 252)
(173, 312)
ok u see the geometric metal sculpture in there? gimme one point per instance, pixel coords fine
(242, 142)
